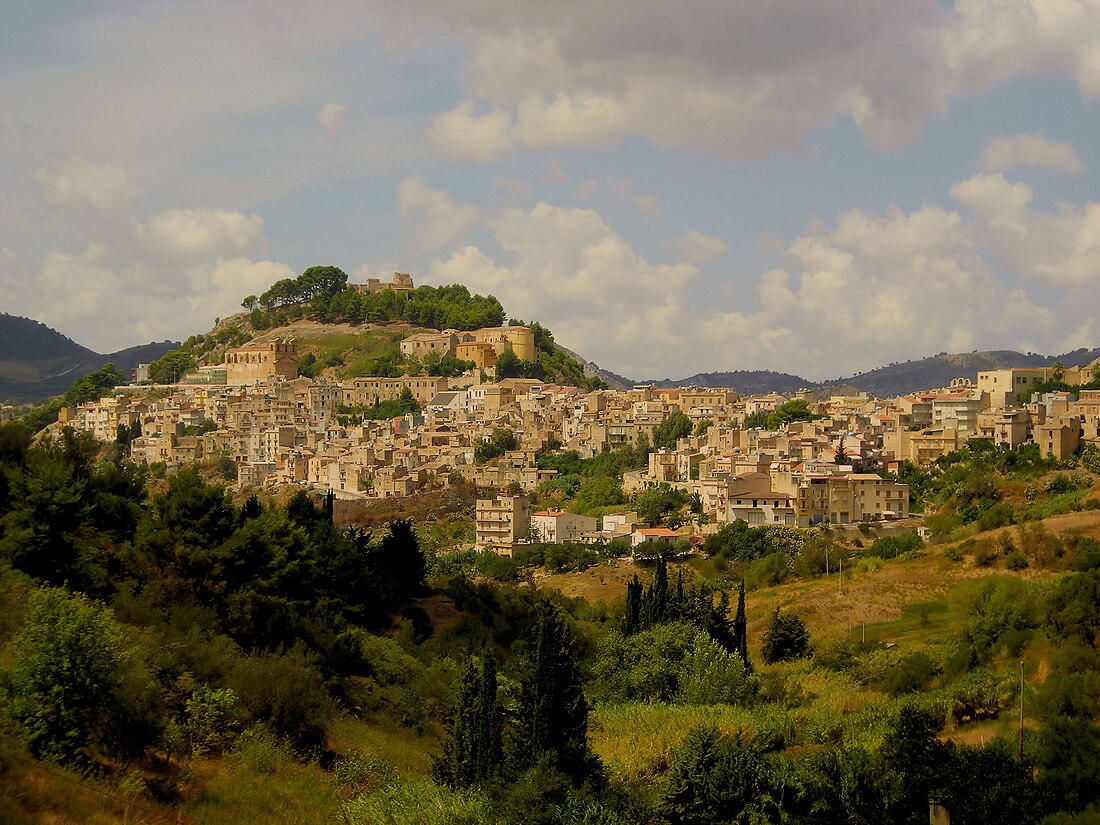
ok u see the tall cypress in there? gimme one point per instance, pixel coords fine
(741, 629)
(488, 720)
(633, 621)
(457, 767)
(472, 752)
(553, 713)
(659, 605)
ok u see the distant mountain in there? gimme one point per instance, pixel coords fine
(938, 370)
(884, 382)
(37, 362)
(750, 382)
(591, 368)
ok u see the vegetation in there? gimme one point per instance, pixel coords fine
(270, 665)
(90, 387)
(322, 292)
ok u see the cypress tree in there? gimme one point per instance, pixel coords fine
(659, 604)
(488, 720)
(741, 629)
(472, 752)
(456, 768)
(677, 610)
(553, 713)
(633, 621)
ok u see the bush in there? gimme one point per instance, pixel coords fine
(64, 685)
(497, 567)
(912, 674)
(769, 571)
(286, 691)
(785, 639)
(260, 751)
(710, 675)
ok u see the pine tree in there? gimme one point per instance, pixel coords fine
(553, 713)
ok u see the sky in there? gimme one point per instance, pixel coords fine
(672, 188)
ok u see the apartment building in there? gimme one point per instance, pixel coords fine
(501, 523)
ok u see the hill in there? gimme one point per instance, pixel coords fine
(751, 382)
(37, 362)
(887, 381)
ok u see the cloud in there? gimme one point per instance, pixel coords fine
(463, 134)
(697, 247)
(1060, 247)
(114, 300)
(439, 221)
(1003, 154)
(515, 186)
(737, 80)
(331, 117)
(742, 80)
(76, 182)
(189, 236)
(575, 272)
(871, 288)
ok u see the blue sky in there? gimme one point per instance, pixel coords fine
(672, 188)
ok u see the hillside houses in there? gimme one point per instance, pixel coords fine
(280, 431)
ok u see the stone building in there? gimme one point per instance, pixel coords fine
(255, 363)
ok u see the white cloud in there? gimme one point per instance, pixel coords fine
(515, 186)
(1060, 247)
(738, 80)
(697, 247)
(77, 182)
(1003, 154)
(463, 134)
(575, 272)
(189, 236)
(439, 220)
(114, 299)
(331, 117)
(641, 203)
(873, 288)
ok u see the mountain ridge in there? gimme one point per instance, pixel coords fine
(37, 362)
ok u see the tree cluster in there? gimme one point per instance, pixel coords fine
(282, 588)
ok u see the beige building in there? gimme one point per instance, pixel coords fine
(420, 344)
(256, 363)
(752, 499)
(518, 340)
(1007, 388)
(1005, 428)
(1059, 437)
(558, 526)
(402, 282)
(368, 390)
(501, 523)
(481, 353)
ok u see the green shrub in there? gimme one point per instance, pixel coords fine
(785, 639)
(769, 571)
(912, 674)
(710, 675)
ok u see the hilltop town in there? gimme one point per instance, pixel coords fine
(769, 459)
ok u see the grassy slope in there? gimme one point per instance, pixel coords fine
(907, 602)
(912, 604)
